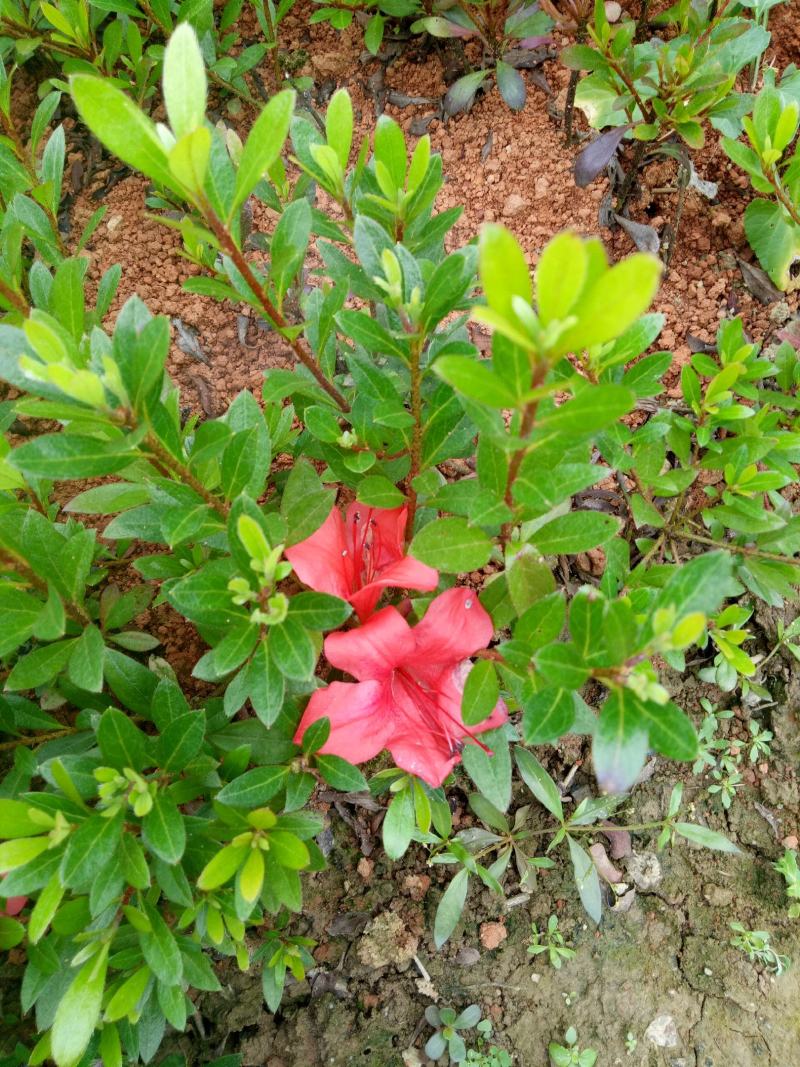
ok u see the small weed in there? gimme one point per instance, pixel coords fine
(550, 941)
(568, 1054)
(756, 944)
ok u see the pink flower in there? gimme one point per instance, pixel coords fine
(410, 682)
(359, 556)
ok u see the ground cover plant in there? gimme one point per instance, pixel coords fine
(415, 565)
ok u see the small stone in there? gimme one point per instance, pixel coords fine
(644, 869)
(514, 205)
(663, 1032)
(467, 956)
(717, 896)
(541, 187)
(387, 940)
(790, 841)
(780, 313)
(365, 868)
(707, 972)
(113, 222)
(416, 885)
(613, 10)
(493, 934)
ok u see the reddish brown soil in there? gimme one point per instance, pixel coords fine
(500, 166)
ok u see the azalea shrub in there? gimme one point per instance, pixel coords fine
(409, 564)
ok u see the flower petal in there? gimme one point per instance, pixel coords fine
(388, 530)
(455, 627)
(322, 561)
(425, 741)
(372, 651)
(404, 573)
(360, 716)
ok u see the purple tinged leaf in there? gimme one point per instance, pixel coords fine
(511, 85)
(535, 42)
(462, 92)
(597, 155)
(644, 237)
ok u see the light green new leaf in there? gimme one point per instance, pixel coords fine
(502, 269)
(184, 81)
(264, 145)
(79, 1011)
(560, 276)
(615, 300)
(121, 126)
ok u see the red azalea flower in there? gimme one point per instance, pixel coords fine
(359, 556)
(410, 682)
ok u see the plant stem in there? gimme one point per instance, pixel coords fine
(416, 435)
(17, 300)
(630, 175)
(18, 565)
(306, 358)
(38, 740)
(174, 466)
(528, 419)
(741, 550)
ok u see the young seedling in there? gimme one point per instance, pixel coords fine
(550, 941)
(756, 945)
(448, 1025)
(787, 866)
(568, 1054)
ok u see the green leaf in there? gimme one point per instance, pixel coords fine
(560, 276)
(450, 908)
(561, 664)
(451, 545)
(398, 824)
(775, 239)
(615, 300)
(184, 81)
(339, 125)
(163, 829)
(122, 127)
(539, 782)
(577, 531)
(44, 909)
(121, 743)
(305, 504)
(340, 774)
(289, 244)
(481, 693)
(254, 788)
(68, 456)
(620, 743)
(491, 772)
(18, 852)
(590, 410)
(475, 380)
(263, 146)
(376, 491)
(89, 849)
(547, 715)
(670, 729)
(40, 666)
(529, 580)
(15, 819)
(292, 649)
(586, 880)
(222, 867)
(701, 835)
(78, 1011)
(319, 611)
(20, 612)
(160, 949)
(128, 996)
(390, 149)
(503, 270)
(181, 740)
(12, 932)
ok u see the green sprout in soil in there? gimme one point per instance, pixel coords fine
(446, 1037)
(569, 1055)
(756, 944)
(787, 866)
(550, 941)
